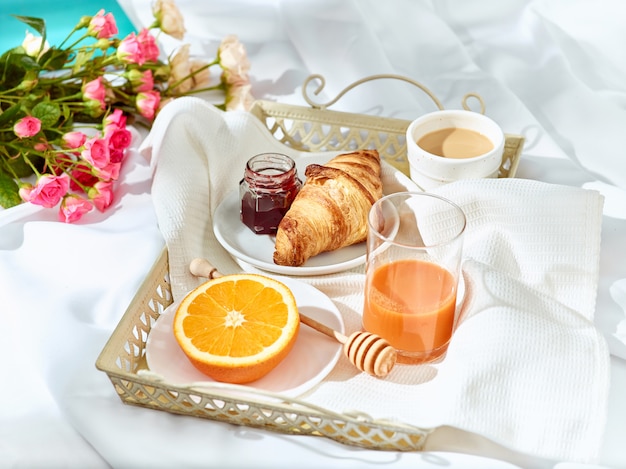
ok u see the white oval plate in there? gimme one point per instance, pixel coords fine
(258, 250)
(312, 357)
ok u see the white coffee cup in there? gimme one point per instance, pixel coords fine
(469, 131)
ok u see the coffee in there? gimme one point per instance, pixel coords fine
(455, 142)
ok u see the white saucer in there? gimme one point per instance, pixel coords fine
(312, 357)
(258, 250)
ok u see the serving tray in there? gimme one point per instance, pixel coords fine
(123, 358)
(316, 128)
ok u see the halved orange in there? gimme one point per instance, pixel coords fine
(237, 328)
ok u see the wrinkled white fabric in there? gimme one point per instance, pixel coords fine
(551, 71)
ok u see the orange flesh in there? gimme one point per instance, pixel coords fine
(237, 330)
(223, 323)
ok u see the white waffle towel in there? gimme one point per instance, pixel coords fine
(526, 367)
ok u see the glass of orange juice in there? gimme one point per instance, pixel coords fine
(414, 251)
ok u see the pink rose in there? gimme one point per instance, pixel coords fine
(129, 50)
(96, 152)
(110, 172)
(141, 80)
(82, 176)
(73, 208)
(169, 18)
(73, 140)
(117, 156)
(101, 194)
(94, 94)
(94, 90)
(48, 190)
(147, 103)
(115, 120)
(42, 146)
(119, 139)
(102, 26)
(148, 46)
(27, 127)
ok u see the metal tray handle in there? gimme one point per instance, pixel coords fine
(322, 83)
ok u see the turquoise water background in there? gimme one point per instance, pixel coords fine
(60, 17)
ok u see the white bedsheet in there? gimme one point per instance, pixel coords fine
(554, 72)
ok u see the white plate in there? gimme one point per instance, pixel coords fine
(258, 250)
(312, 357)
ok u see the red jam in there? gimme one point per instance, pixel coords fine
(270, 184)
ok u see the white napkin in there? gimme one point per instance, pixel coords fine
(526, 367)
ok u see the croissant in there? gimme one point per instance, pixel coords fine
(331, 209)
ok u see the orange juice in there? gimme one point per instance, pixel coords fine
(411, 303)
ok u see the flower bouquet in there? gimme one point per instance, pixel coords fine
(64, 109)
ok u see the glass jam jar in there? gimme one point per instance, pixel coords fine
(269, 185)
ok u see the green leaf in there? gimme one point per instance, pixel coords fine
(27, 62)
(9, 192)
(7, 117)
(48, 113)
(37, 24)
(67, 113)
(14, 65)
(55, 59)
(18, 167)
(82, 57)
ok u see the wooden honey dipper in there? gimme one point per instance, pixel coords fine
(368, 352)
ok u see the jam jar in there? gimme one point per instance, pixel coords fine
(269, 185)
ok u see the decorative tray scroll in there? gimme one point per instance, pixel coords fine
(123, 358)
(318, 129)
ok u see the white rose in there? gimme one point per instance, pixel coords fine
(32, 45)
